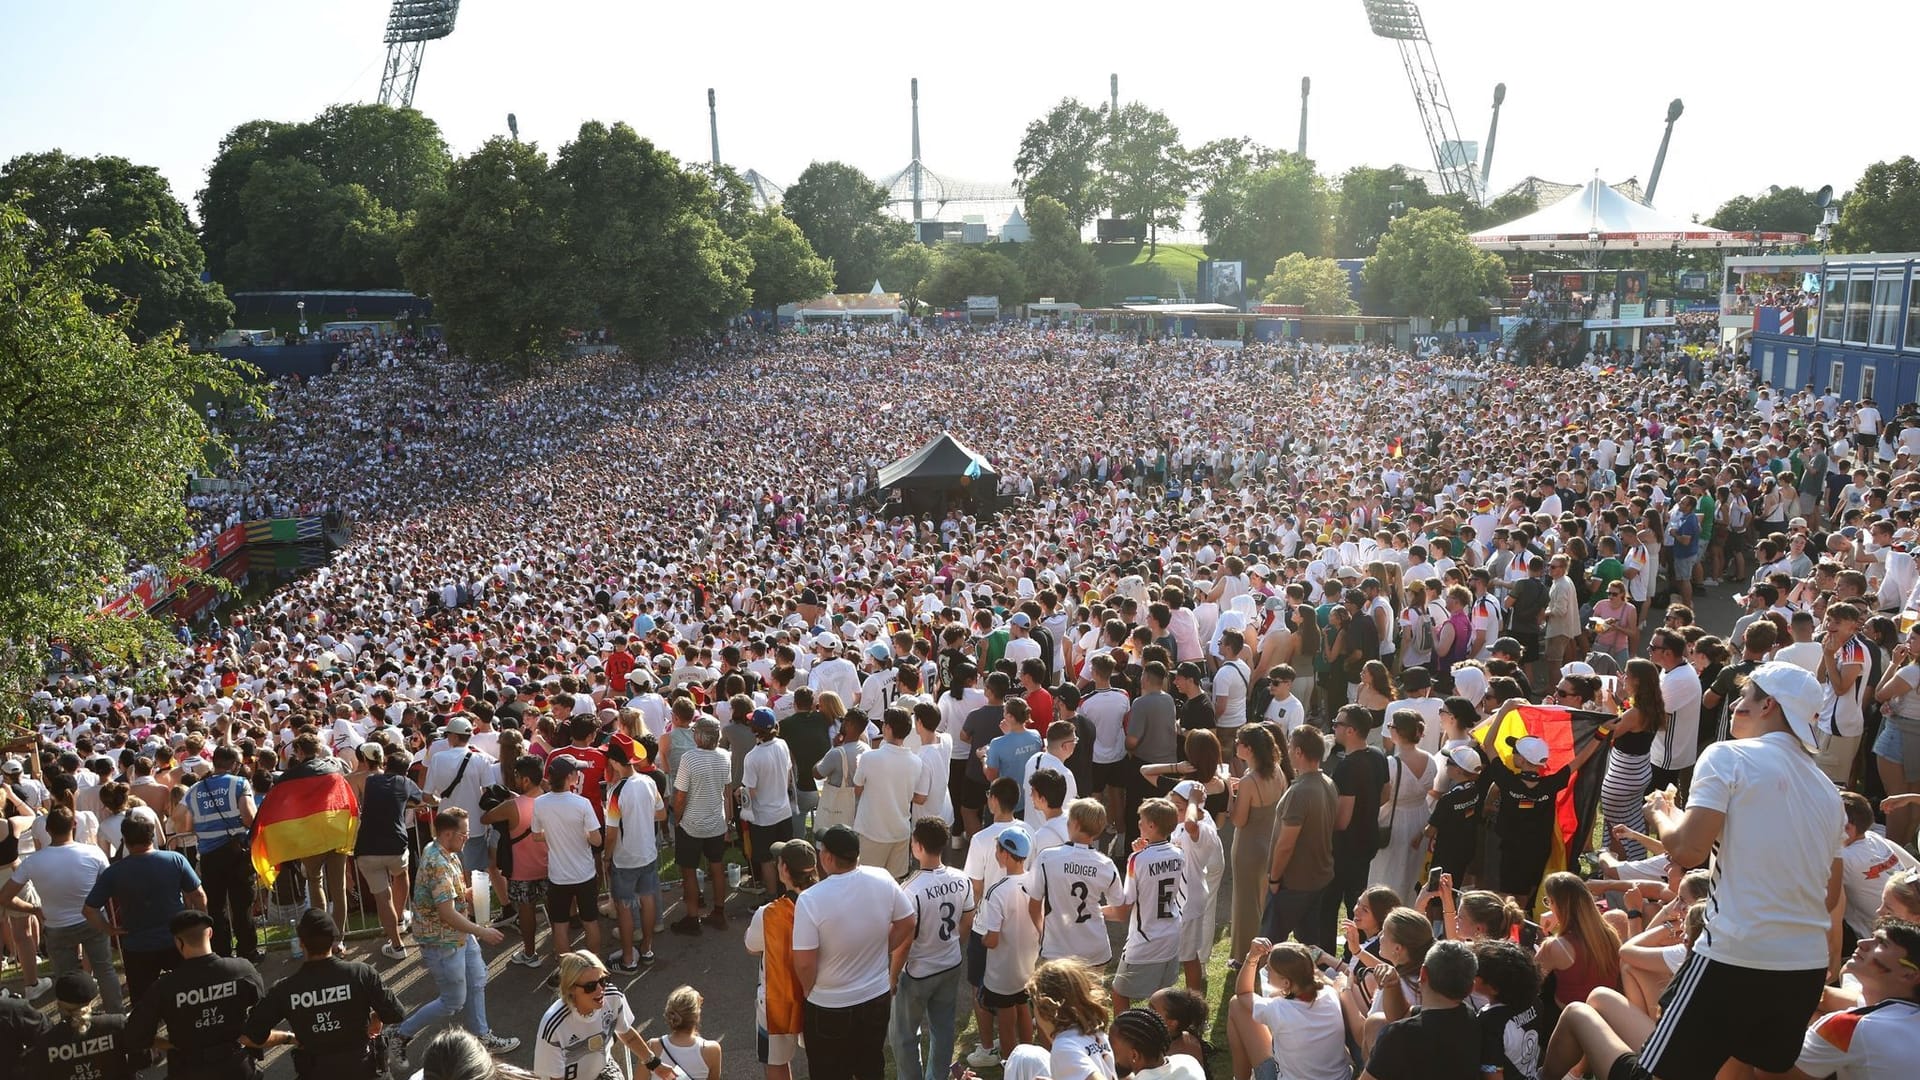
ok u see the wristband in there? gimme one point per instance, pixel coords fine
(1273, 881)
(653, 1064)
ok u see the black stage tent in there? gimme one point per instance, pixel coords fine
(941, 473)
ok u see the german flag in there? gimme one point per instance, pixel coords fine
(308, 815)
(1567, 733)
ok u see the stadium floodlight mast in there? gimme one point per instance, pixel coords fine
(1399, 21)
(410, 25)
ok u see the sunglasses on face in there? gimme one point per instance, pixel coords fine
(594, 987)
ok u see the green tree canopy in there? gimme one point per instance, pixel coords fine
(1319, 285)
(488, 250)
(1056, 262)
(1368, 201)
(907, 271)
(1259, 215)
(1882, 212)
(785, 269)
(1778, 209)
(98, 435)
(1425, 265)
(963, 270)
(368, 167)
(844, 216)
(1144, 175)
(1059, 158)
(646, 253)
(65, 198)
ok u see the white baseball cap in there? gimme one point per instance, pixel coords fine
(1798, 694)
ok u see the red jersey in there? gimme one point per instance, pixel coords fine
(593, 770)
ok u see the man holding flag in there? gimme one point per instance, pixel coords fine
(310, 814)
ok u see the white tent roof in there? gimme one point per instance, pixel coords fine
(1620, 222)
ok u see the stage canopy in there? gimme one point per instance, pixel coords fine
(942, 463)
(1597, 216)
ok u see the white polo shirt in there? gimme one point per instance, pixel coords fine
(1770, 869)
(836, 917)
(1679, 744)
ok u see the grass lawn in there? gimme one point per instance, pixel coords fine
(1130, 272)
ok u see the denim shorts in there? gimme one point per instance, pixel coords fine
(630, 883)
(1886, 746)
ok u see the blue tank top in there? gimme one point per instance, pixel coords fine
(215, 803)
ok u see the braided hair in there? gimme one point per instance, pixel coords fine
(1145, 1032)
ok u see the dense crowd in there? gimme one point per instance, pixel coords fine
(1221, 665)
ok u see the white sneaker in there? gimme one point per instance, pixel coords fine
(983, 1057)
(38, 988)
(526, 959)
(387, 950)
(497, 1045)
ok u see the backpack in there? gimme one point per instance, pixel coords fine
(1420, 635)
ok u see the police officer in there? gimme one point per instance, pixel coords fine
(203, 1001)
(80, 1045)
(324, 1007)
(222, 810)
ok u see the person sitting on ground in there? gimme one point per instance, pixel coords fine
(1296, 1034)
(1441, 1041)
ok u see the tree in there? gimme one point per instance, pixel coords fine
(98, 435)
(488, 250)
(1144, 175)
(1319, 285)
(1056, 262)
(963, 270)
(1215, 163)
(785, 268)
(1058, 158)
(1369, 200)
(1257, 216)
(907, 272)
(300, 229)
(1882, 212)
(1512, 206)
(844, 216)
(1425, 265)
(282, 199)
(1777, 210)
(65, 198)
(645, 252)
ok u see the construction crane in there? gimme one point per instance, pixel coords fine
(410, 25)
(1399, 21)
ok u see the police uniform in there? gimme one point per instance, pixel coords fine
(99, 1053)
(326, 1005)
(20, 1025)
(203, 1002)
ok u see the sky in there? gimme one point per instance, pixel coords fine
(161, 81)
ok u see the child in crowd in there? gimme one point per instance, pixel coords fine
(1071, 1010)
(983, 872)
(1199, 843)
(1152, 905)
(1011, 939)
(1048, 792)
(1071, 884)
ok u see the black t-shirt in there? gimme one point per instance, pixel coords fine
(1080, 762)
(325, 1004)
(1513, 1040)
(1431, 1044)
(99, 1053)
(20, 1025)
(1527, 812)
(383, 814)
(204, 1003)
(1456, 826)
(808, 740)
(981, 727)
(1195, 712)
(1360, 774)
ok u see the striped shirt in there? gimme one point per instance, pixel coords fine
(703, 775)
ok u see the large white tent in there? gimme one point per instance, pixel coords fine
(1597, 216)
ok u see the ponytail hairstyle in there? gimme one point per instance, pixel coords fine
(1411, 931)
(682, 1012)
(1067, 994)
(1494, 914)
(1293, 962)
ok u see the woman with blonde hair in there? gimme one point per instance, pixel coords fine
(1393, 975)
(571, 1039)
(1584, 952)
(79, 1043)
(682, 1048)
(1071, 1009)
